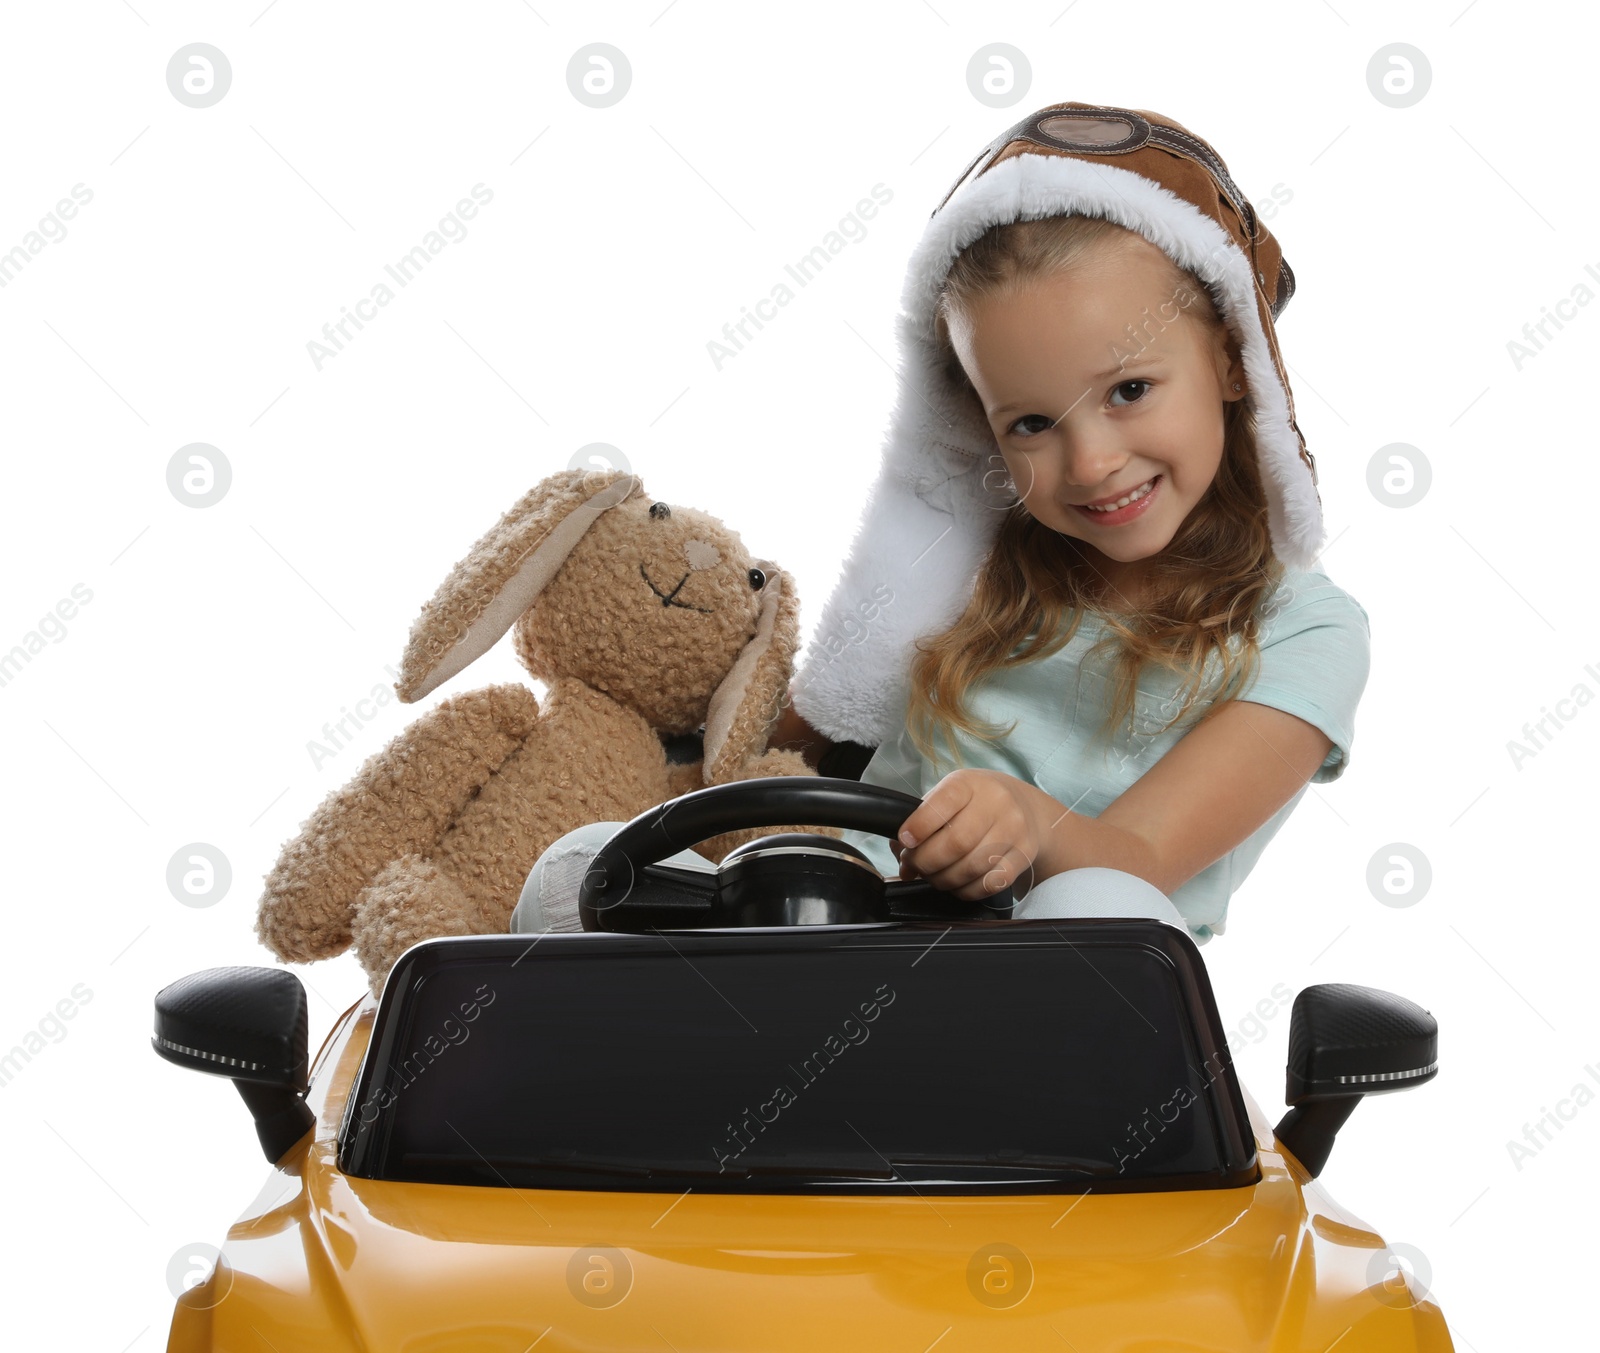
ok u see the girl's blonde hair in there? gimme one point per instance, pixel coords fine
(1205, 591)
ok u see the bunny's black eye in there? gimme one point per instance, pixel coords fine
(659, 510)
(758, 579)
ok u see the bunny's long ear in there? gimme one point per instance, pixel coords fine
(746, 705)
(504, 573)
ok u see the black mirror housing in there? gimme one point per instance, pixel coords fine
(250, 1025)
(1347, 1041)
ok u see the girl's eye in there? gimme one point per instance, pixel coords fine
(1015, 428)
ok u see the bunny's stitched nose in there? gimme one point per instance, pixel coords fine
(701, 554)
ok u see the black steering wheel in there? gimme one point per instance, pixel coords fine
(788, 878)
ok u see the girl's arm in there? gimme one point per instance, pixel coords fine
(1217, 785)
(1220, 782)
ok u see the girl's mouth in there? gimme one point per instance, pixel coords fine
(1129, 512)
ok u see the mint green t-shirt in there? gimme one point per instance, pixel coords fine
(1314, 660)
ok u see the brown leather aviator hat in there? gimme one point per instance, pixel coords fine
(932, 514)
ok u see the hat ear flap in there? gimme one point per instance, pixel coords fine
(504, 573)
(747, 703)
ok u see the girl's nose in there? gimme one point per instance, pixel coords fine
(1089, 458)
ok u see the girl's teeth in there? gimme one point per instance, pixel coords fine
(1133, 497)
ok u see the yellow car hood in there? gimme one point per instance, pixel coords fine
(330, 1262)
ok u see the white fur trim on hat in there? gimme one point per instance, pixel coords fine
(933, 512)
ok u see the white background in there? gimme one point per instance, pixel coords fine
(178, 703)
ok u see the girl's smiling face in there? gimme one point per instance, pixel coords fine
(1097, 381)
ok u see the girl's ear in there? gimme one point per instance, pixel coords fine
(747, 703)
(504, 573)
(1230, 366)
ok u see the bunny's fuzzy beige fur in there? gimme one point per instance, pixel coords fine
(644, 619)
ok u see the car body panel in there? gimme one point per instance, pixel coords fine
(323, 1260)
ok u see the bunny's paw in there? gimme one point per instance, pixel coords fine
(410, 900)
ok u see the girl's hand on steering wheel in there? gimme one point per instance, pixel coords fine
(975, 832)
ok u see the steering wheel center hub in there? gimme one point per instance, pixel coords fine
(798, 878)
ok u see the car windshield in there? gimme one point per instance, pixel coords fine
(996, 1056)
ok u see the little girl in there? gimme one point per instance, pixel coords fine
(1081, 619)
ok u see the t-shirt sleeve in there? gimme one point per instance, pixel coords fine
(1315, 657)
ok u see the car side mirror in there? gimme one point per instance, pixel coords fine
(250, 1025)
(1345, 1042)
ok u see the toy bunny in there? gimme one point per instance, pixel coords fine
(646, 621)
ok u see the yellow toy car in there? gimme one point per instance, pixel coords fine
(789, 1105)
